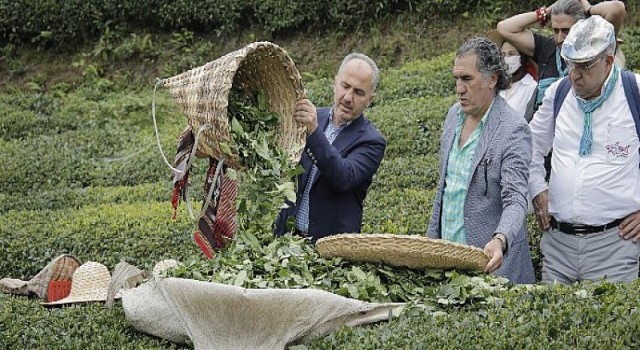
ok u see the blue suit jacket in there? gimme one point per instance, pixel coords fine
(345, 172)
(496, 198)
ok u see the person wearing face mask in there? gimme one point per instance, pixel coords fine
(523, 73)
(545, 50)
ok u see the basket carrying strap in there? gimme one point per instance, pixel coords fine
(633, 97)
(186, 142)
(631, 92)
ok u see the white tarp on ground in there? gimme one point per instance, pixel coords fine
(220, 316)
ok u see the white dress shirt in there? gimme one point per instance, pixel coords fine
(519, 94)
(593, 189)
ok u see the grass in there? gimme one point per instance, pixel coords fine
(81, 174)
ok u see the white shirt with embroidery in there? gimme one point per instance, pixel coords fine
(593, 189)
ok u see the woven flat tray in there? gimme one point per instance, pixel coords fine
(412, 251)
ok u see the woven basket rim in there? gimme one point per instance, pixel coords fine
(203, 93)
(392, 249)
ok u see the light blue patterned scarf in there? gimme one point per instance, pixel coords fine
(543, 84)
(588, 107)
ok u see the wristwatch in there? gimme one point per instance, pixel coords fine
(503, 240)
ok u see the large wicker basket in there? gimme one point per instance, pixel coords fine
(203, 93)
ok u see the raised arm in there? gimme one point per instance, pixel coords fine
(612, 11)
(515, 30)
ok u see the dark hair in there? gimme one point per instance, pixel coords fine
(489, 59)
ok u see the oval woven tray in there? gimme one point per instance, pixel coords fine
(412, 251)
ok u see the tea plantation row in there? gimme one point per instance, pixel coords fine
(81, 174)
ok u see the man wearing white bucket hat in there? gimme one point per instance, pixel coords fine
(590, 210)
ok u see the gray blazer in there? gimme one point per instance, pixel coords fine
(499, 204)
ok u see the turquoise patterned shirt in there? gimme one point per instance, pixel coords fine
(457, 179)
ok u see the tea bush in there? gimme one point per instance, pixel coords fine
(540, 317)
(79, 143)
(96, 232)
(52, 24)
(81, 174)
(431, 78)
(27, 325)
(631, 47)
(67, 197)
(412, 125)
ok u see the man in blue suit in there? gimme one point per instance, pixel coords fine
(342, 153)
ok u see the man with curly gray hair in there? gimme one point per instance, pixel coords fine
(485, 149)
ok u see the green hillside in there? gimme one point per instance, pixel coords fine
(81, 172)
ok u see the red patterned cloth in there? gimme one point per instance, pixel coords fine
(181, 177)
(217, 226)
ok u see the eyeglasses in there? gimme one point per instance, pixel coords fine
(582, 67)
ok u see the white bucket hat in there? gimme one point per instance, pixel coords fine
(587, 39)
(90, 283)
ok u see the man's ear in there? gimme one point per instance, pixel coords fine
(610, 59)
(371, 99)
(494, 80)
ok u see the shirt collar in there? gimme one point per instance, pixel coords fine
(462, 115)
(341, 126)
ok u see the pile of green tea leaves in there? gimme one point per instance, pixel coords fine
(257, 259)
(266, 177)
(262, 261)
(253, 128)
